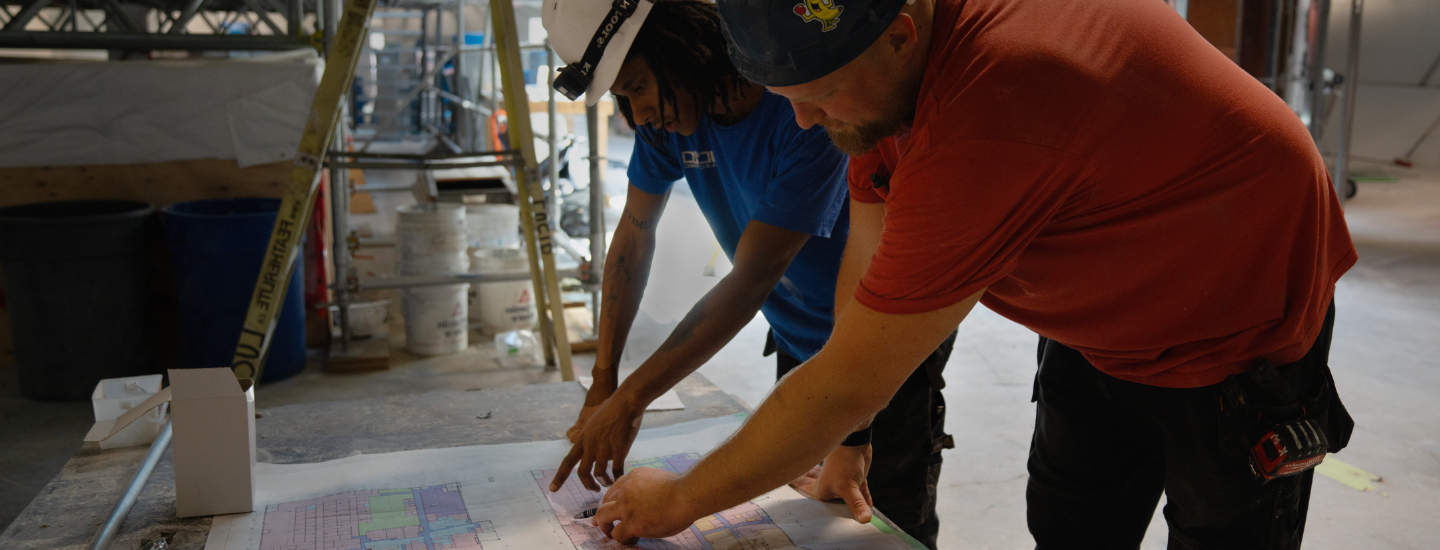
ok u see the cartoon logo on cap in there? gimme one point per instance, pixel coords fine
(824, 11)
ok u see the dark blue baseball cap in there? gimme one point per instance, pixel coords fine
(785, 43)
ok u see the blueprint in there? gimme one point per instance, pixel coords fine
(495, 497)
(413, 518)
(744, 526)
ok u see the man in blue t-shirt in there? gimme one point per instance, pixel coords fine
(775, 196)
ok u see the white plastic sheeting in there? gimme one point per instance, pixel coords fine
(250, 110)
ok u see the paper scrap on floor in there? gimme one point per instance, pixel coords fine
(496, 496)
(668, 401)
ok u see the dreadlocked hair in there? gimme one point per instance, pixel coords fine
(682, 42)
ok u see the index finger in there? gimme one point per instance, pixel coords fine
(563, 473)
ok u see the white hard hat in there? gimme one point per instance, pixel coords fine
(574, 26)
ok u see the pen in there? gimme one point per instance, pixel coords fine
(586, 514)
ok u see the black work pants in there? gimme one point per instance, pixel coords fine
(1104, 449)
(906, 441)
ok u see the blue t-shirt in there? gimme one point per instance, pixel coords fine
(765, 168)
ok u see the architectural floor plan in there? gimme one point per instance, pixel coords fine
(495, 497)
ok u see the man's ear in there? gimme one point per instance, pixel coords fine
(900, 37)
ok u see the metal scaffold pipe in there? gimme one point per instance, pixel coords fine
(132, 491)
(1352, 85)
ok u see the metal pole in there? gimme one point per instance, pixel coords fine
(1239, 24)
(340, 193)
(437, 108)
(464, 116)
(295, 19)
(423, 75)
(112, 524)
(597, 211)
(551, 140)
(322, 22)
(495, 73)
(1316, 69)
(332, 22)
(340, 229)
(1272, 74)
(413, 281)
(1352, 84)
(552, 198)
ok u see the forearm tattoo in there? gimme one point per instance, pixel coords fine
(643, 225)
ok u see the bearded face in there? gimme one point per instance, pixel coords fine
(856, 139)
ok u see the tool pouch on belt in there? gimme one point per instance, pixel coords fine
(1282, 420)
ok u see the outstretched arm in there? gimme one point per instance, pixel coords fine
(866, 360)
(627, 269)
(846, 468)
(761, 257)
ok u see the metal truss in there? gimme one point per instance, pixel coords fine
(159, 24)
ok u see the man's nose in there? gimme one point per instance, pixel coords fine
(807, 114)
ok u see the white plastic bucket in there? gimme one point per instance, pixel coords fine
(429, 229)
(502, 306)
(431, 241)
(493, 225)
(436, 319)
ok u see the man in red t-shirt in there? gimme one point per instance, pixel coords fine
(1095, 171)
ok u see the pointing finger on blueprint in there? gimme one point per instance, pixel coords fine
(601, 445)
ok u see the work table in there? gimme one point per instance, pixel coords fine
(70, 509)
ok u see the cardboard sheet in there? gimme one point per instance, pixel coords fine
(495, 497)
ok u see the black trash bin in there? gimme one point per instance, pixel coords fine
(76, 277)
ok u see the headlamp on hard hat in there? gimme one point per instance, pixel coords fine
(572, 80)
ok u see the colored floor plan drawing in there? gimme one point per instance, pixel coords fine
(419, 518)
(744, 527)
(412, 500)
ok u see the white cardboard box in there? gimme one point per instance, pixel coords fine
(213, 417)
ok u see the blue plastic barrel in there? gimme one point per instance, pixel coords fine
(218, 246)
(77, 287)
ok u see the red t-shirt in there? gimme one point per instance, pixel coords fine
(1114, 183)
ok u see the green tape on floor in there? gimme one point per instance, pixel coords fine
(885, 528)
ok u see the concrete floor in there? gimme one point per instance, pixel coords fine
(1388, 316)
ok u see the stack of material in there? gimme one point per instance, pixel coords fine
(433, 242)
(495, 247)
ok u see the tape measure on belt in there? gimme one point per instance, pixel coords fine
(299, 199)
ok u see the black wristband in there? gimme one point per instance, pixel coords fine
(856, 439)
